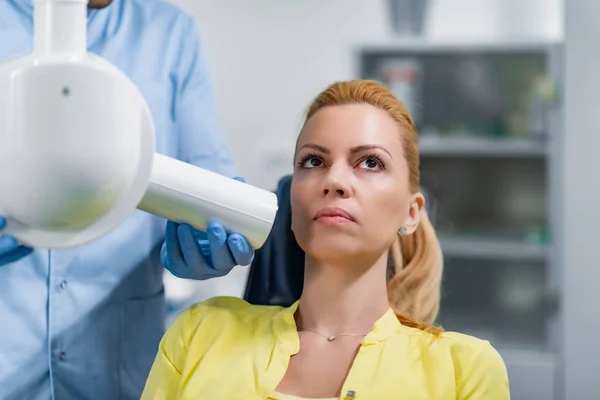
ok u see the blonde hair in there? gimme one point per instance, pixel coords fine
(414, 288)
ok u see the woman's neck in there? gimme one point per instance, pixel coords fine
(342, 299)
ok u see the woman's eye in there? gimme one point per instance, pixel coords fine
(313, 162)
(370, 163)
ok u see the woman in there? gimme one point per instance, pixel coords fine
(354, 197)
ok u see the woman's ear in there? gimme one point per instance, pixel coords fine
(417, 202)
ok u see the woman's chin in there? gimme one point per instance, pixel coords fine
(333, 248)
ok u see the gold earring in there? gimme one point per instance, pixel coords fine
(402, 231)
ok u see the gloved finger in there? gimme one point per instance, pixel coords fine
(173, 255)
(191, 248)
(7, 244)
(222, 259)
(165, 260)
(2, 223)
(242, 252)
(239, 178)
(200, 235)
(15, 255)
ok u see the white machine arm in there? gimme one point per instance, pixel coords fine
(60, 26)
(181, 192)
(77, 149)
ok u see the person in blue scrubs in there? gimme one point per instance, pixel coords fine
(85, 323)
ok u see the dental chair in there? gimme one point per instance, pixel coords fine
(277, 273)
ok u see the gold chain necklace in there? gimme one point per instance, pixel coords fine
(330, 338)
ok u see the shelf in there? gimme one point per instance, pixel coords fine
(423, 45)
(482, 248)
(430, 146)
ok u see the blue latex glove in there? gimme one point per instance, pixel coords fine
(192, 254)
(10, 249)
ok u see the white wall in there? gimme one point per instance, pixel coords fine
(270, 57)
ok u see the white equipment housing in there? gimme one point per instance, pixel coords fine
(77, 149)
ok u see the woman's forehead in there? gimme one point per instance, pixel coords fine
(350, 126)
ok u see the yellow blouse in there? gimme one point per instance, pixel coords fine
(281, 396)
(227, 349)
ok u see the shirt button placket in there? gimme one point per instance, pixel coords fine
(62, 356)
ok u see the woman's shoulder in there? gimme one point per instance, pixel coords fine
(224, 310)
(462, 347)
(477, 365)
(221, 304)
(467, 349)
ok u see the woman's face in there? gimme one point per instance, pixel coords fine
(350, 191)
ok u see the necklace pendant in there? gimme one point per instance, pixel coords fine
(331, 338)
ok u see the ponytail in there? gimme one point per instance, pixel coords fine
(414, 290)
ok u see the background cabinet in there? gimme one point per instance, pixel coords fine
(488, 117)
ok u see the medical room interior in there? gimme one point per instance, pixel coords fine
(504, 94)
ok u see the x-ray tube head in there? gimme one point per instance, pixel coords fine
(77, 147)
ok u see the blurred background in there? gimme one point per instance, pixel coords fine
(494, 87)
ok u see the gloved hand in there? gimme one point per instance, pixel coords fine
(10, 249)
(192, 254)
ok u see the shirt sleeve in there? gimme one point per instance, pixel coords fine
(483, 376)
(196, 113)
(165, 376)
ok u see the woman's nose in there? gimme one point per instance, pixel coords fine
(340, 192)
(337, 182)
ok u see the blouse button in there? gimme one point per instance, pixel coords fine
(350, 394)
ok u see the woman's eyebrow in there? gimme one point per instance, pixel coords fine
(358, 149)
(315, 147)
